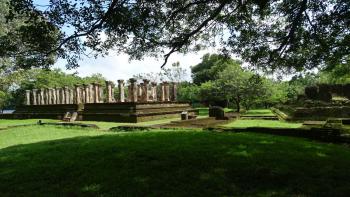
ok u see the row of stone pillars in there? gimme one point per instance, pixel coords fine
(93, 93)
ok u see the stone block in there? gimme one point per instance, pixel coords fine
(217, 112)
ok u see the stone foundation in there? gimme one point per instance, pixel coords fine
(134, 112)
(110, 112)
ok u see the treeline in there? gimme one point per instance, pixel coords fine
(14, 84)
(220, 80)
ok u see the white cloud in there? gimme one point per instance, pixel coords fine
(118, 66)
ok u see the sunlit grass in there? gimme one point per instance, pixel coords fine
(13, 122)
(259, 112)
(262, 123)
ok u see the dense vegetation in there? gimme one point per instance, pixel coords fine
(292, 34)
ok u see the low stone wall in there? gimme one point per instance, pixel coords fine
(134, 112)
(324, 92)
(312, 113)
(42, 111)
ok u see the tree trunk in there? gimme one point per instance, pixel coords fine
(238, 108)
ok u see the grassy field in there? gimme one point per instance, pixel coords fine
(5, 123)
(262, 123)
(102, 125)
(59, 161)
(259, 112)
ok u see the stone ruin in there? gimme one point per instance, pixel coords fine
(143, 102)
(318, 103)
(324, 92)
(93, 93)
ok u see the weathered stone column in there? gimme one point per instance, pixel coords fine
(166, 91)
(38, 98)
(96, 93)
(62, 96)
(121, 90)
(83, 93)
(58, 96)
(77, 94)
(42, 96)
(109, 92)
(87, 93)
(71, 96)
(34, 94)
(162, 93)
(100, 94)
(53, 93)
(154, 91)
(139, 91)
(174, 91)
(66, 95)
(132, 90)
(46, 96)
(27, 99)
(145, 94)
(91, 93)
(49, 96)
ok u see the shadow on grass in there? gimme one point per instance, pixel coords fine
(176, 164)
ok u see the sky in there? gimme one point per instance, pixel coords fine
(117, 66)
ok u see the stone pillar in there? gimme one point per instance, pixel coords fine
(132, 90)
(66, 95)
(38, 97)
(46, 96)
(62, 96)
(27, 99)
(71, 96)
(87, 93)
(77, 93)
(49, 96)
(58, 96)
(96, 93)
(109, 92)
(34, 94)
(162, 92)
(154, 91)
(100, 94)
(145, 95)
(139, 92)
(53, 94)
(42, 96)
(91, 93)
(174, 91)
(121, 90)
(166, 91)
(82, 94)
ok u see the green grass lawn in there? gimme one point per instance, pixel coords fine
(107, 125)
(5, 122)
(60, 161)
(259, 112)
(262, 123)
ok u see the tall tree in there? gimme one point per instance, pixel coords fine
(25, 39)
(270, 34)
(210, 67)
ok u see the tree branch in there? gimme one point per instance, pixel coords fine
(184, 40)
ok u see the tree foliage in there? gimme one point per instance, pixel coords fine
(210, 67)
(25, 39)
(292, 34)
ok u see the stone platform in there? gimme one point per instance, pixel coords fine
(112, 112)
